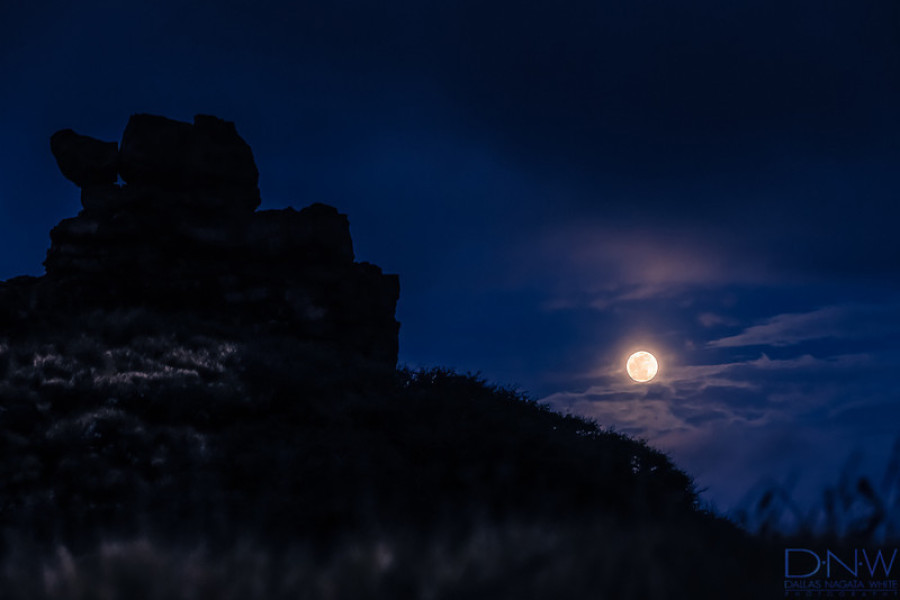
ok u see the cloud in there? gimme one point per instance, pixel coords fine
(845, 322)
(733, 424)
(587, 263)
(735, 391)
(709, 319)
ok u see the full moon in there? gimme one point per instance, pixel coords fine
(642, 366)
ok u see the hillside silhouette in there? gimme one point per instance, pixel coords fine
(192, 372)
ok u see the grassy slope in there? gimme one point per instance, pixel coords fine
(154, 459)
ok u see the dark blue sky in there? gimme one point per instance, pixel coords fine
(556, 184)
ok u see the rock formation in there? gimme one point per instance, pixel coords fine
(182, 234)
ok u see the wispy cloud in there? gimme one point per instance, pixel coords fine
(734, 423)
(600, 265)
(846, 322)
(710, 319)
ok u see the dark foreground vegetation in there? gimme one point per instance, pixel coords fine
(140, 464)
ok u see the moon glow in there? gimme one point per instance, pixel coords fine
(642, 366)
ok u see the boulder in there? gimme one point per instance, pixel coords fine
(106, 199)
(317, 233)
(84, 160)
(154, 151)
(218, 156)
(208, 158)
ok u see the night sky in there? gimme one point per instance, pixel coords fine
(556, 183)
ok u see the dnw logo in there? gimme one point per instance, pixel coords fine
(802, 563)
(860, 572)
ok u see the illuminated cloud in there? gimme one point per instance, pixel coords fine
(845, 322)
(603, 265)
(734, 424)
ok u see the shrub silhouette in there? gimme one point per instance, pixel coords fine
(853, 510)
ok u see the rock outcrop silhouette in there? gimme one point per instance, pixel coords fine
(182, 234)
